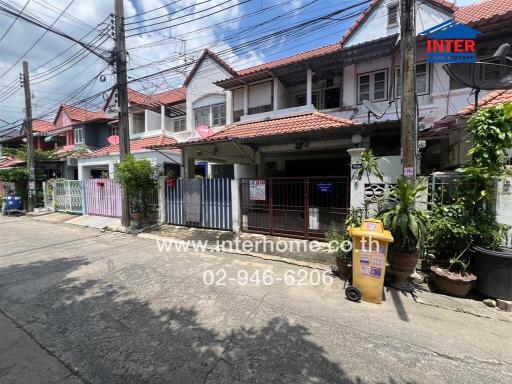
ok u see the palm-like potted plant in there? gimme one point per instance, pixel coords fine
(407, 224)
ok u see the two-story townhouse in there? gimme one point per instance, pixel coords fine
(154, 120)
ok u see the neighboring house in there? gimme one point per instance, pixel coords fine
(334, 80)
(154, 121)
(450, 134)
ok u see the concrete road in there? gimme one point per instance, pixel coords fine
(81, 306)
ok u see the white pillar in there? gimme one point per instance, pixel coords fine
(162, 184)
(246, 100)
(276, 93)
(309, 87)
(356, 187)
(130, 123)
(229, 107)
(235, 207)
(146, 120)
(162, 118)
(111, 169)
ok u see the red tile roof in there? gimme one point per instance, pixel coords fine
(360, 20)
(136, 97)
(310, 122)
(178, 95)
(41, 125)
(331, 48)
(493, 98)
(82, 115)
(136, 145)
(10, 161)
(207, 53)
(484, 11)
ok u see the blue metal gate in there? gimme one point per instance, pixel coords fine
(202, 203)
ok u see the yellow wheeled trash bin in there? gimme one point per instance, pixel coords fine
(369, 251)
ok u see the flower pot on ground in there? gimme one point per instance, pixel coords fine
(453, 284)
(136, 216)
(139, 178)
(407, 223)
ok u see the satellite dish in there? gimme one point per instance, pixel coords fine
(204, 131)
(489, 74)
(114, 139)
(373, 108)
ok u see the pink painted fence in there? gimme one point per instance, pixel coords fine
(103, 197)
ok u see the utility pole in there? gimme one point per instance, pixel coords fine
(408, 107)
(122, 99)
(30, 141)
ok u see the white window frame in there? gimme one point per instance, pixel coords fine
(427, 79)
(390, 7)
(182, 123)
(372, 85)
(78, 133)
(210, 114)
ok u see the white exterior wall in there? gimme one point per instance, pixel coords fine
(376, 25)
(85, 164)
(202, 91)
(153, 121)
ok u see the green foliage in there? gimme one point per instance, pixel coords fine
(21, 153)
(369, 165)
(406, 222)
(449, 231)
(491, 132)
(18, 176)
(354, 219)
(138, 178)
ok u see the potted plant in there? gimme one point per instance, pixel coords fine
(338, 240)
(491, 134)
(450, 233)
(139, 178)
(407, 224)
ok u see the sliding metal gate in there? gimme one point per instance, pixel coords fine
(103, 197)
(203, 203)
(303, 207)
(68, 195)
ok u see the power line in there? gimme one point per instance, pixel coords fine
(152, 10)
(14, 21)
(176, 11)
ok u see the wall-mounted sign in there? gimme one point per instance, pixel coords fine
(357, 166)
(257, 190)
(408, 171)
(324, 187)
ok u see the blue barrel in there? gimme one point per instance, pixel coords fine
(13, 203)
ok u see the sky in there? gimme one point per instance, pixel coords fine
(170, 33)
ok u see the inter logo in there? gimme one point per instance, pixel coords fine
(451, 42)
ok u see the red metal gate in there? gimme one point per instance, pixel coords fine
(103, 197)
(303, 207)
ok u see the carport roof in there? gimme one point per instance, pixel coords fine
(277, 128)
(137, 145)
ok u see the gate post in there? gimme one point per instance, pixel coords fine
(356, 187)
(162, 201)
(235, 205)
(84, 200)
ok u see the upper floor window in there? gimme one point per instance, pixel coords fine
(331, 98)
(422, 80)
(372, 86)
(260, 97)
(212, 116)
(114, 130)
(79, 136)
(392, 15)
(179, 125)
(302, 99)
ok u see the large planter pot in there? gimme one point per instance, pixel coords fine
(494, 272)
(136, 216)
(344, 269)
(403, 264)
(453, 285)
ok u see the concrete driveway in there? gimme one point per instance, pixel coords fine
(81, 306)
